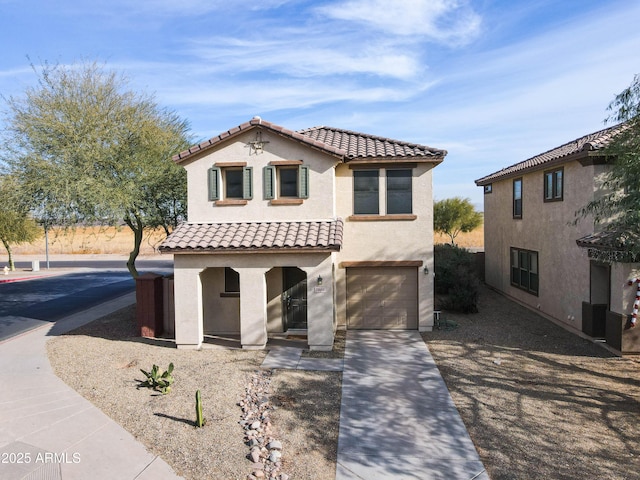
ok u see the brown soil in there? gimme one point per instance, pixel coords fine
(539, 402)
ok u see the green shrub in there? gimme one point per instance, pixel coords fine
(157, 381)
(456, 279)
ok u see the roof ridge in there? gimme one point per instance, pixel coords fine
(337, 142)
(367, 135)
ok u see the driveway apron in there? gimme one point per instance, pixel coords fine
(397, 419)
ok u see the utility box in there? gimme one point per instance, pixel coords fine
(620, 334)
(149, 304)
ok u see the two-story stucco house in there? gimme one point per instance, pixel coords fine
(536, 254)
(303, 231)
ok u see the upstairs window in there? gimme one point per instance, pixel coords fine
(365, 192)
(399, 191)
(286, 182)
(553, 185)
(230, 184)
(517, 198)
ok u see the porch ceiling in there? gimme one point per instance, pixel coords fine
(284, 237)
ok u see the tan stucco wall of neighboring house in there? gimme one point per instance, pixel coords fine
(388, 240)
(564, 268)
(319, 205)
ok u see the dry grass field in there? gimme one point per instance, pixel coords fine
(474, 239)
(91, 240)
(111, 240)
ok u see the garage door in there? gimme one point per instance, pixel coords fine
(382, 298)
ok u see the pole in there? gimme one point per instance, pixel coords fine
(46, 246)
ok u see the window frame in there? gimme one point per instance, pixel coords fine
(518, 268)
(218, 187)
(517, 208)
(231, 283)
(410, 176)
(554, 175)
(375, 191)
(488, 189)
(272, 184)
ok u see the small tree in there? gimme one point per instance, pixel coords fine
(87, 149)
(453, 216)
(16, 226)
(618, 206)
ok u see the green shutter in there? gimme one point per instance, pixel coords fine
(303, 181)
(214, 191)
(247, 183)
(269, 177)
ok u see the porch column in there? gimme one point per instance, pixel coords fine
(320, 308)
(188, 308)
(253, 308)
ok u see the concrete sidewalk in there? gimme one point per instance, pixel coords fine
(397, 419)
(47, 430)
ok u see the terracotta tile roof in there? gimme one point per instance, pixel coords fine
(359, 145)
(324, 235)
(576, 148)
(344, 144)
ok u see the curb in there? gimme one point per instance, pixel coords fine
(21, 279)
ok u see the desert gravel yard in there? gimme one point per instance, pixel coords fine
(538, 401)
(102, 361)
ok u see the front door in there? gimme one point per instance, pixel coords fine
(294, 299)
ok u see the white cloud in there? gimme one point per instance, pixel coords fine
(303, 57)
(443, 21)
(271, 95)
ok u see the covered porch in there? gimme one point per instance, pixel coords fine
(226, 290)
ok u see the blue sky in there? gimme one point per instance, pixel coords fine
(492, 81)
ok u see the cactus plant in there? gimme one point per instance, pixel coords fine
(161, 382)
(200, 420)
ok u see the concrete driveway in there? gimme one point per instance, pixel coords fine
(397, 419)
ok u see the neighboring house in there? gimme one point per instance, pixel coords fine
(535, 253)
(303, 232)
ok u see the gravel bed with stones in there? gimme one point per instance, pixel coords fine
(102, 361)
(538, 401)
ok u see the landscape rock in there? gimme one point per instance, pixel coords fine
(265, 451)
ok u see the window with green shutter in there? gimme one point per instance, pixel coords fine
(230, 185)
(286, 182)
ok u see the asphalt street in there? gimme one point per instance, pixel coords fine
(28, 304)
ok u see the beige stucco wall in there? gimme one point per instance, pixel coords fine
(389, 240)
(221, 314)
(546, 228)
(256, 308)
(319, 205)
(200, 278)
